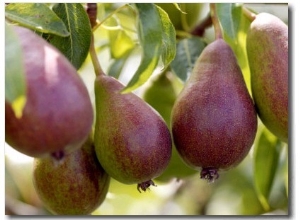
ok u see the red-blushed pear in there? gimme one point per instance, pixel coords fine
(58, 113)
(133, 143)
(213, 120)
(267, 49)
(75, 186)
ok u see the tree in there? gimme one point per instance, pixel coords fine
(152, 49)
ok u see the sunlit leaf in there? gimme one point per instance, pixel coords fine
(168, 38)
(187, 52)
(119, 41)
(266, 158)
(150, 36)
(15, 83)
(76, 46)
(37, 16)
(178, 7)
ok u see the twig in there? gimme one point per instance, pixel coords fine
(95, 61)
(249, 14)
(199, 30)
(215, 21)
(92, 13)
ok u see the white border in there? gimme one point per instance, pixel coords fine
(294, 42)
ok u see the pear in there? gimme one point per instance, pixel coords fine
(213, 120)
(133, 143)
(58, 113)
(161, 95)
(267, 50)
(75, 186)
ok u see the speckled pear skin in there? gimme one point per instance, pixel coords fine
(213, 120)
(77, 185)
(133, 143)
(58, 114)
(267, 49)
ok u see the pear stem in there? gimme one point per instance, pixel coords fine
(95, 61)
(92, 14)
(249, 14)
(215, 21)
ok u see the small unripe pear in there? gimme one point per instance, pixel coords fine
(267, 49)
(214, 121)
(58, 113)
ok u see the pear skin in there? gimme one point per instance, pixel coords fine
(77, 185)
(267, 49)
(58, 114)
(133, 143)
(214, 121)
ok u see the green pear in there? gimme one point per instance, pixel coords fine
(213, 120)
(133, 143)
(267, 50)
(58, 113)
(161, 95)
(76, 185)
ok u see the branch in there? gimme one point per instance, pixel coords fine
(215, 21)
(199, 30)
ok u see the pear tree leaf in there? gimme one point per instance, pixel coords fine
(76, 46)
(187, 52)
(15, 83)
(178, 8)
(229, 16)
(116, 67)
(36, 16)
(150, 33)
(168, 38)
(235, 27)
(120, 43)
(266, 159)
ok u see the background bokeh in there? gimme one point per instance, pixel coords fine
(234, 193)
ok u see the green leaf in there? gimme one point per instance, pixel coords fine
(266, 158)
(15, 83)
(229, 16)
(178, 8)
(150, 35)
(116, 67)
(120, 43)
(76, 46)
(36, 16)
(161, 94)
(168, 38)
(235, 27)
(188, 51)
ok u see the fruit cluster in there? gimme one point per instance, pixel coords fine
(212, 125)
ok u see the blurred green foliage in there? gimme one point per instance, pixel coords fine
(259, 185)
